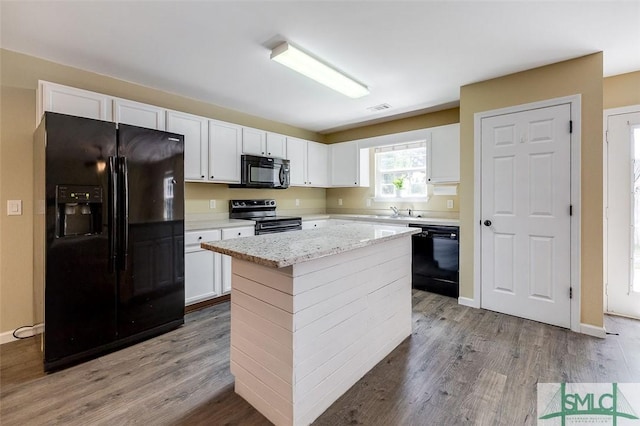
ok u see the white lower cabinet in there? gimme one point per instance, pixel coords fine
(202, 267)
(228, 234)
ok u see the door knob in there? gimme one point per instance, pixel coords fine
(487, 222)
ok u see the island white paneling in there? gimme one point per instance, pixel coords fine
(303, 334)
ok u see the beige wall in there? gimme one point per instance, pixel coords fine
(197, 196)
(622, 90)
(423, 121)
(19, 79)
(578, 76)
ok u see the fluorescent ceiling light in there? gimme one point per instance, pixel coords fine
(306, 65)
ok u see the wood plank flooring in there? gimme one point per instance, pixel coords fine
(460, 366)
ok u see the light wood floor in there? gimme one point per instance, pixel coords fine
(460, 366)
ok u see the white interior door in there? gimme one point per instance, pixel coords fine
(623, 214)
(525, 205)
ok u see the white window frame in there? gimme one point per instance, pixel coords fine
(377, 173)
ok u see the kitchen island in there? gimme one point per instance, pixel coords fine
(313, 311)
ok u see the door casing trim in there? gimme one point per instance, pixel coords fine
(610, 112)
(576, 139)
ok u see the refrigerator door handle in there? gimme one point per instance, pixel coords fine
(113, 213)
(124, 222)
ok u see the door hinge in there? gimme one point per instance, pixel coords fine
(570, 126)
(570, 292)
(606, 136)
(570, 209)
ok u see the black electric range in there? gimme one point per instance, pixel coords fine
(263, 212)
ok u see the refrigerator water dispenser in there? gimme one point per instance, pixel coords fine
(79, 210)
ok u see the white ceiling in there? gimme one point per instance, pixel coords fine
(412, 55)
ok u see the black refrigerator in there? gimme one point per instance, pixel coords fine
(108, 235)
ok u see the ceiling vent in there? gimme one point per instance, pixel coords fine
(380, 107)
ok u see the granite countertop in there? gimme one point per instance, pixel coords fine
(288, 248)
(199, 225)
(404, 220)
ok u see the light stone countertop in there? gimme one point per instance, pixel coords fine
(403, 220)
(200, 225)
(289, 248)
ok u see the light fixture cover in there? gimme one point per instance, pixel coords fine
(297, 60)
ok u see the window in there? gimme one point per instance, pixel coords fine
(401, 171)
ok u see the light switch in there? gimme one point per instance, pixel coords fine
(212, 204)
(339, 201)
(449, 204)
(297, 202)
(14, 207)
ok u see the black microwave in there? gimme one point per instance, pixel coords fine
(263, 172)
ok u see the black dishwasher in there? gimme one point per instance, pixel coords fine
(436, 259)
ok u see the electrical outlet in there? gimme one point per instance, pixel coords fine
(212, 204)
(368, 202)
(297, 202)
(14, 207)
(449, 204)
(339, 201)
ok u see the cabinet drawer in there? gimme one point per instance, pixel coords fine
(197, 237)
(230, 233)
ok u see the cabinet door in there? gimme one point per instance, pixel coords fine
(297, 155)
(317, 164)
(224, 152)
(276, 145)
(68, 100)
(202, 275)
(137, 114)
(202, 267)
(196, 142)
(344, 164)
(444, 155)
(228, 234)
(253, 141)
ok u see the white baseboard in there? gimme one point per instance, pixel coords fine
(592, 330)
(7, 336)
(465, 301)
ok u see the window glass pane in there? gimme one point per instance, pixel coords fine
(401, 173)
(635, 187)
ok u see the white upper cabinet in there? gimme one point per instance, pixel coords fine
(196, 142)
(309, 163)
(349, 165)
(443, 155)
(68, 100)
(276, 145)
(263, 144)
(253, 141)
(297, 155)
(224, 152)
(317, 164)
(138, 114)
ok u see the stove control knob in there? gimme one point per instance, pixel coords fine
(242, 203)
(272, 202)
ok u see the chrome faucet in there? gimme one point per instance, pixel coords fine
(395, 210)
